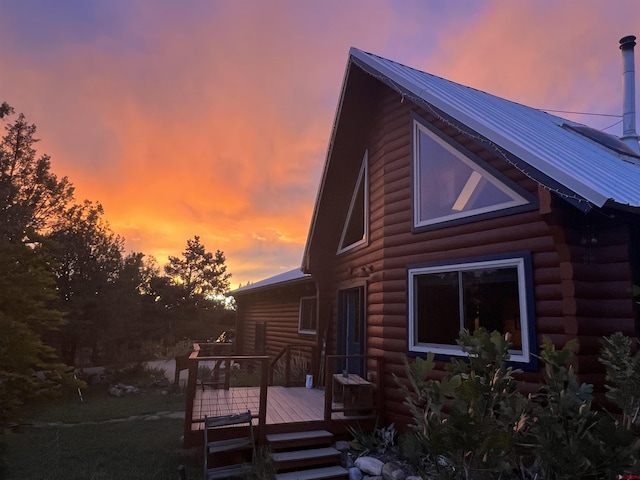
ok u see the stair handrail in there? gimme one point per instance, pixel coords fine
(286, 351)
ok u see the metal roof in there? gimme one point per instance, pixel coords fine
(282, 278)
(589, 169)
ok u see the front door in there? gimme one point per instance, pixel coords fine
(351, 329)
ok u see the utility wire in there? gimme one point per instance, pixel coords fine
(582, 113)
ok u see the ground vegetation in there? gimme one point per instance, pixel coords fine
(474, 423)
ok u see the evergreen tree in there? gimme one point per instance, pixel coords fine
(88, 258)
(31, 198)
(200, 276)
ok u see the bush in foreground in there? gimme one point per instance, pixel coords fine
(473, 423)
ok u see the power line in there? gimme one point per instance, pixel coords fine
(581, 113)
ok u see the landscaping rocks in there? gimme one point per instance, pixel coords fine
(119, 390)
(342, 446)
(370, 465)
(391, 471)
(355, 473)
(387, 466)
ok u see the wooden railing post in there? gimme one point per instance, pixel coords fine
(287, 367)
(328, 389)
(227, 373)
(192, 365)
(262, 413)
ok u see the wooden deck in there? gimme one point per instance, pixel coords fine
(276, 409)
(284, 405)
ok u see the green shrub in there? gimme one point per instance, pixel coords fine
(469, 421)
(381, 440)
(473, 422)
(623, 375)
(569, 437)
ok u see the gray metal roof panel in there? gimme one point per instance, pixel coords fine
(594, 172)
(282, 278)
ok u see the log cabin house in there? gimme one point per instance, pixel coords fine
(440, 208)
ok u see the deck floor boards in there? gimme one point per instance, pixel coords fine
(284, 405)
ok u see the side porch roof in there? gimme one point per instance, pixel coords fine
(282, 279)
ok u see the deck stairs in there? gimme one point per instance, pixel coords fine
(306, 455)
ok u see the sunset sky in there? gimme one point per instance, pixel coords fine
(212, 117)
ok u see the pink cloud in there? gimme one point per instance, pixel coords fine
(213, 118)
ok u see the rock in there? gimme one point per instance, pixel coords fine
(370, 465)
(391, 471)
(342, 446)
(355, 473)
(372, 477)
(346, 460)
(115, 391)
(413, 477)
(120, 389)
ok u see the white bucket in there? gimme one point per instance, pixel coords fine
(309, 383)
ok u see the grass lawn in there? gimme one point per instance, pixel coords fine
(98, 405)
(131, 449)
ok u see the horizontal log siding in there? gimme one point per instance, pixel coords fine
(391, 219)
(571, 299)
(279, 310)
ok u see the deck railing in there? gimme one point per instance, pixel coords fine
(253, 372)
(225, 367)
(294, 357)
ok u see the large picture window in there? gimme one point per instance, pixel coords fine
(307, 323)
(452, 185)
(491, 293)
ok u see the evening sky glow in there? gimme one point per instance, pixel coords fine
(212, 118)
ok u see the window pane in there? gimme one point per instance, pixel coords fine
(354, 231)
(491, 300)
(450, 186)
(307, 314)
(355, 227)
(437, 309)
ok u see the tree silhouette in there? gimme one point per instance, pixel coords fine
(201, 277)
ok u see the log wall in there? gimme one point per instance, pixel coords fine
(581, 281)
(278, 309)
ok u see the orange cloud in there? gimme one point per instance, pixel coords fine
(547, 54)
(213, 118)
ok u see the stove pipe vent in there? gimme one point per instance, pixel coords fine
(629, 134)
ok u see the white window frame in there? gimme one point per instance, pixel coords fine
(363, 176)
(517, 199)
(519, 356)
(301, 310)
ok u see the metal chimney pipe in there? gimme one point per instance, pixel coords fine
(629, 134)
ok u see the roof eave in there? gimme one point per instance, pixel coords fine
(305, 257)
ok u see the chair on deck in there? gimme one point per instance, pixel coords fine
(240, 444)
(219, 377)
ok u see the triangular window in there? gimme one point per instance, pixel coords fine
(449, 186)
(356, 225)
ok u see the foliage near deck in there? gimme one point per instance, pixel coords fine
(474, 423)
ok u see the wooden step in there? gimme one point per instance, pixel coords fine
(323, 473)
(228, 471)
(279, 441)
(304, 458)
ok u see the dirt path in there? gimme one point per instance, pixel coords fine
(149, 416)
